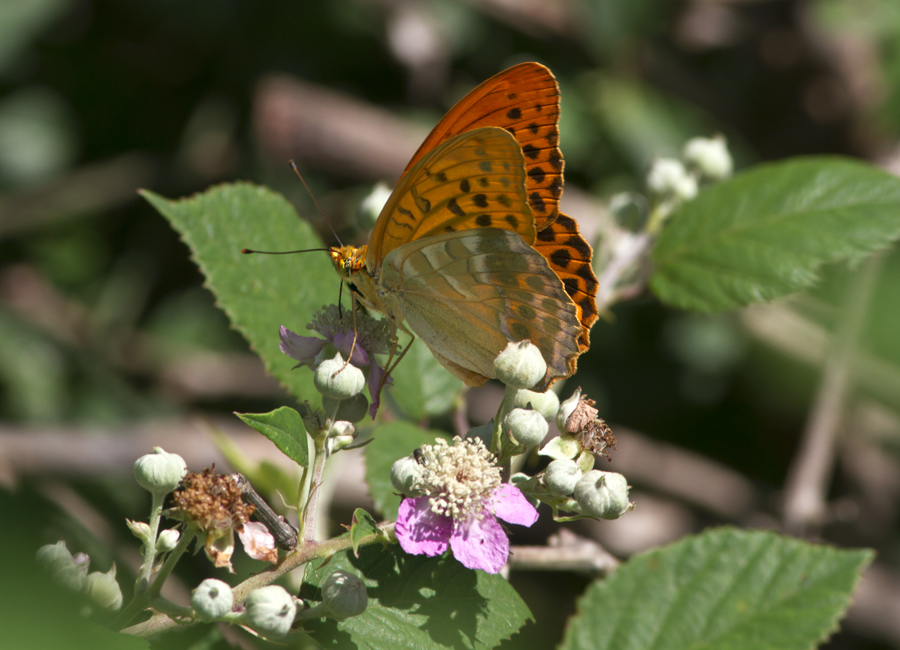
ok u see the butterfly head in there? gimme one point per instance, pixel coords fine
(348, 260)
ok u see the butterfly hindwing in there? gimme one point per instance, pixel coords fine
(468, 293)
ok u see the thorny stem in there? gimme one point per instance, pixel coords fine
(306, 552)
(309, 504)
(497, 446)
(807, 483)
(142, 601)
(143, 577)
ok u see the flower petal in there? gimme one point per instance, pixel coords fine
(219, 547)
(343, 341)
(302, 348)
(419, 530)
(258, 542)
(481, 544)
(509, 504)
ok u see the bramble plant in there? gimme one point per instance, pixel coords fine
(427, 571)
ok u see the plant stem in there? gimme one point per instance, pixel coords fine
(149, 550)
(159, 623)
(142, 601)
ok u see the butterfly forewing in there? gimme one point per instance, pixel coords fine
(524, 100)
(468, 293)
(473, 180)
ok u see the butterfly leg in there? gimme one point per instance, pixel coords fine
(355, 337)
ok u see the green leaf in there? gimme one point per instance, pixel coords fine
(423, 387)
(363, 525)
(764, 233)
(259, 293)
(723, 589)
(285, 428)
(418, 603)
(389, 442)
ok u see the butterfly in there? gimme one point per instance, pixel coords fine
(471, 252)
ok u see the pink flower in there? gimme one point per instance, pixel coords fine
(462, 498)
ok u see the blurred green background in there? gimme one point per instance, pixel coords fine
(109, 344)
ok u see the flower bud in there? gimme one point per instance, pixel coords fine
(561, 477)
(352, 410)
(405, 474)
(160, 472)
(54, 556)
(103, 589)
(371, 205)
(546, 403)
(212, 599)
(520, 365)
(168, 540)
(564, 446)
(270, 611)
(338, 381)
(567, 408)
(342, 435)
(139, 529)
(710, 156)
(344, 595)
(525, 426)
(603, 494)
(668, 177)
(64, 568)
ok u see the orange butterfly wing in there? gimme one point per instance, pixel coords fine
(524, 100)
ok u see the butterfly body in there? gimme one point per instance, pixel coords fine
(470, 252)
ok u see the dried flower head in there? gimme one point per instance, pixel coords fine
(212, 504)
(592, 432)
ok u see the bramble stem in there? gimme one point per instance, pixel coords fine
(149, 550)
(142, 601)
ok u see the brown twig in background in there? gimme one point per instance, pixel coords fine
(809, 475)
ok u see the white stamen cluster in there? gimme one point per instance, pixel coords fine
(459, 479)
(374, 334)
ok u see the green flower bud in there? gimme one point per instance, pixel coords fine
(546, 403)
(160, 472)
(103, 589)
(270, 611)
(710, 156)
(524, 426)
(64, 568)
(405, 474)
(168, 539)
(566, 409)
(344, 595)
(212, 599)
(668, 177)
(139, 529)
(561, 477)
(603, 494)
(352, 410)
(520, 365)
(564, 446)
(371, 206)
(54, 556)
(348, 382)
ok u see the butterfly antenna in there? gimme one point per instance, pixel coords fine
(250, 251)
(313, 197)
